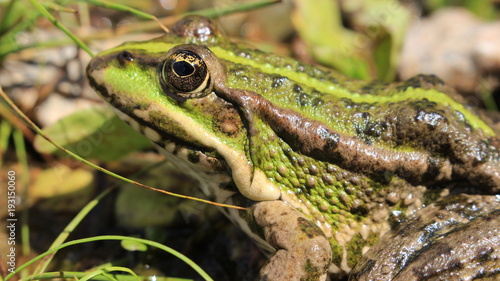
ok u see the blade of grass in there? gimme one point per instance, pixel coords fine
(79, 218)
(104, 271)
(119, 7)
(7, 17)
(5, 131)
(110, 277)
(83, 10)
(33, 126)
(4, 50)
(59, 8)
(7, 114)
(74, 274)
(70, 228)
(49, 16)
(123, 8)
(169, 250)
(24, 181)
(210, 12)
(242, 7)
(9, 41)
(143, 26)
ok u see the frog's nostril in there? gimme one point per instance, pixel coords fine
(124, 57)
(93, 64)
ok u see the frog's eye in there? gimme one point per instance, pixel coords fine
(186, 73)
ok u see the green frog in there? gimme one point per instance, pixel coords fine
(324, 165)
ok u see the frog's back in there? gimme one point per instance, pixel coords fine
(418, 118)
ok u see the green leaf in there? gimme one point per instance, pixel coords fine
(62, 189)
(368, 52)
(133, 246)
(95, 133)
(320, 26)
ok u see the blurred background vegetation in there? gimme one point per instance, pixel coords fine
(42, 72)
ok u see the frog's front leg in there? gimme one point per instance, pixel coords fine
(303, 252)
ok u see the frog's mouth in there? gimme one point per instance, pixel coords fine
(198, 159)
(203, 157)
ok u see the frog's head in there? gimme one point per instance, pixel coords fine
(168, 88)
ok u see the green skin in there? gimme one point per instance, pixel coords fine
(325, 164)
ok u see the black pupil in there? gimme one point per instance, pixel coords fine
(183, 68)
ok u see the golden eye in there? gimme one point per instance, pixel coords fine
(186, 73)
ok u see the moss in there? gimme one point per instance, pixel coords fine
(356, 245)
(336, 252)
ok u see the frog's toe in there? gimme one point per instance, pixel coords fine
(303, 252)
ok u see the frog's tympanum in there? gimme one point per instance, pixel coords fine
(325, 164)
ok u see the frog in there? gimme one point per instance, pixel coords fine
(335, 175)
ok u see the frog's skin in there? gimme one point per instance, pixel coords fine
(325, 164)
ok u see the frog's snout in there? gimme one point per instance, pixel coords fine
(95, 75)
(95, 65)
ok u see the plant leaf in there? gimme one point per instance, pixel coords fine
(95, 133)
